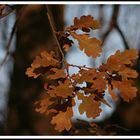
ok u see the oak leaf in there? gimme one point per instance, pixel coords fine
(58, 73)
(128, 72)
(89, 105)
(84, 23)
(128, 91)
(121, 59)
(112, 93)
(63, 120)
(44, 60)
(84, 76)
(99, 83)
(91, 46)
(64, 89)
(42, 106)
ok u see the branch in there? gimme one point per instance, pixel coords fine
(113, 22)
(53, 28)
(10, 40)
(123, 37)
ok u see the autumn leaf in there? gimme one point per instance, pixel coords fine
(44, 60)
(84, 76)
(64, 41)
(112, 93)
(121, 59)
(84, 23)
(91, 46)
(58, 73)
(63, 120)
(43, 104)
(89, 105)
(128, 72)
(127, 91)
(99, 83)
(62, 90)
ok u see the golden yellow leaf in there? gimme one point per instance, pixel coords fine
(89, 105)
(63, 120)
(91, 46)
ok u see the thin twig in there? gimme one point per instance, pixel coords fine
(123, 37)
(113, 22)
(51, 21)
(10, 40)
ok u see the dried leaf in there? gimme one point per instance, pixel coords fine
(112, 93)
(128, 73)
(128, 92)
(91, 46)
(58, 73)
(89, 105)
(121, 59)
(84, 76)
(43, 104)
(63, 120)
(99, 83)
(84, 23)
(62, 90)
(64, 41)
(44, 60)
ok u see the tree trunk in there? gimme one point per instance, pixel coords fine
(33, 36)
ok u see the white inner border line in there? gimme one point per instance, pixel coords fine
(69, 2)
(72, 3)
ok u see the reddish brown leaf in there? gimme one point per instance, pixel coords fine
(128, 92)
(63, 120)
(91, 46)
(89, 105)
(58, 73)
(44, 60)
(84, 76)
(43, 104)
(62, 90)
(84, 23)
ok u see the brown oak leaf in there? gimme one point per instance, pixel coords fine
(127, 90)
(42, 106)
(63, 120)
(89, 105)
(91, 46)
(120, 59)
(84, 76)
(84, 23)
(44, 60)
(112, 93)
(64, 89)
(58, 73)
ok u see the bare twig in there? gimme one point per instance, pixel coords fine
(53, 28)
(113, 22)
(10, 40)
(123, 37)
